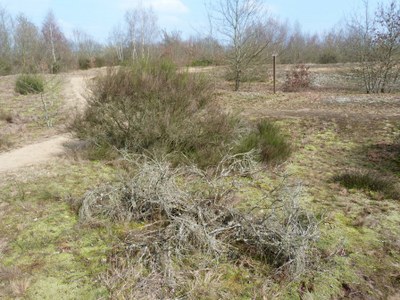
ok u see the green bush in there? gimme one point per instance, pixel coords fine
(99, 62)
(153, 107)
(202, 63)
(327, 58)
(29, 84)
(267, 139)
(5, 67)
(84, 63)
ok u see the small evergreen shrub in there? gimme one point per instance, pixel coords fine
(150, 106)
(267, 139)
(202, 63)
(29, 84)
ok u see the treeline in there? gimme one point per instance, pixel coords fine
(27, 47)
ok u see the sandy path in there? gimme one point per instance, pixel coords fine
(33, 154)
(50, 148)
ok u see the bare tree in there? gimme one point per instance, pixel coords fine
(142, 31)
(55, 42)
(117, 41)
(375, 44)
(240, 21)
(84, 44)
(26, 44)
(5, 41)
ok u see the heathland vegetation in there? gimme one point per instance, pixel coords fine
(188, 177)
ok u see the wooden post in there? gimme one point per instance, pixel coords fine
(274, 71)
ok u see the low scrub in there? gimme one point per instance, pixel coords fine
(184, 225)
(5, 141)
(267, 139)
(202, 63)
(368, 181)
(6, 116)
(29, 84)
(297, 78)
(84, 63)
(151, 107)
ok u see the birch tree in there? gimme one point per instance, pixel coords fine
(55, 43)
(142, 30)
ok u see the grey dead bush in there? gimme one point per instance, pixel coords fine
(183, 223)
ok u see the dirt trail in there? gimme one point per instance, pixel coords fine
(52, 147)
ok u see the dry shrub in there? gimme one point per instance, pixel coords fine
(5, 141)
(298, 78)
(187, 228)
(18, 283)
(6, 116)
(153, 107)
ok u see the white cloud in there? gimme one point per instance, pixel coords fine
(161, 6)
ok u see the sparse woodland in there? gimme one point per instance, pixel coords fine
(185, 177)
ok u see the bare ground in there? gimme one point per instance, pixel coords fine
(51, 147)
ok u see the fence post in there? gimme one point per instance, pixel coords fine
(274, 70)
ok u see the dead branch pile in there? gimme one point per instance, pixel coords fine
(181, 224)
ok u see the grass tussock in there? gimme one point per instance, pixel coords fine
(5, 141)
(185, 230)
(6, 116)
(29, 84)
(151, 107)
(368, 181)
(269, 142)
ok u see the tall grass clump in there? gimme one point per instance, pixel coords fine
(267, 139)
(153, 107)
(29, 84)
(367, 181)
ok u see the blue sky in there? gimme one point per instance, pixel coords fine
(98, 17)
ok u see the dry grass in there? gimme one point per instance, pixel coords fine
(17, 282)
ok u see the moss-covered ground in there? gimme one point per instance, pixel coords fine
(46, 253)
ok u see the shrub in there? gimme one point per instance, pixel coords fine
(5, 67)
(297, 78)
(327, 58)
(84, 63)
(29, 84)
(99, 62)
(268, 140)
(152, 107)
(5, 141)
(6, 116)
(202, 63)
